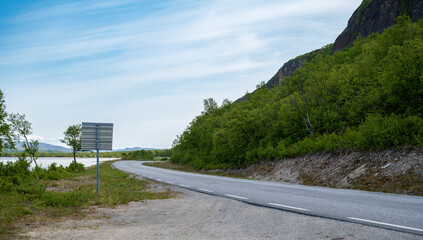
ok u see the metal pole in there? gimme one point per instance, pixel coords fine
(98, 147)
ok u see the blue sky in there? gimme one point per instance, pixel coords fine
(146, 66)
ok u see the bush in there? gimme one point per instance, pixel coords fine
(17, 176)
(6, 186)
(79, 166)
(31, 187)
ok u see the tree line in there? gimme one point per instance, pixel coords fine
(368, 96)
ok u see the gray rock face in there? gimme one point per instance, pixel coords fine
(289, 68)
(376, 17)
(286, 70)
(416, 9)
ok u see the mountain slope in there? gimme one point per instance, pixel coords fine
(364, 97)
(372, 16)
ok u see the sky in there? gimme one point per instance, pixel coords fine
(147, 65)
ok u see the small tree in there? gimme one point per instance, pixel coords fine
(260, 85)
(209, 105)
(6, 137)
(73, 140)
(21, 129)
(226, 102)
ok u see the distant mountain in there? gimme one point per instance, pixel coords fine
(133, 149)
(45, 147)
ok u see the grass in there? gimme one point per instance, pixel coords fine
(68, 196)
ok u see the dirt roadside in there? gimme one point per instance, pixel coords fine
(394, 170)
(193, 215)
(397, 171)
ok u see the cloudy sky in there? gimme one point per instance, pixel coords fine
(147, 65)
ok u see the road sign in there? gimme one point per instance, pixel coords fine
(89, 136)
(97, 136)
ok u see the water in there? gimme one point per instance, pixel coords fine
(44, 162)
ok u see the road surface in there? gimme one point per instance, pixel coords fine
(391, 211)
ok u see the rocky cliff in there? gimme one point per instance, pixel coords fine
(376, 16)
(289, 67)
(372, 16)
(286, 70)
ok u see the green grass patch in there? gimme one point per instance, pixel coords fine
(117, 187)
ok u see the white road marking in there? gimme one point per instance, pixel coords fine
(386, 224)
(235, 196)
(285, 206)
(170, 182)
(205, 190)
(182, 185)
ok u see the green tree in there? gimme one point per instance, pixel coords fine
(73, 140)
(209, 105)
(226, 102)
(6, 138)
(21, 129)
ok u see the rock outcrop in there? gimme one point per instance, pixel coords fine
(286, 70)
(376, 17)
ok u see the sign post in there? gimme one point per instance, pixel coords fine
(97, 136)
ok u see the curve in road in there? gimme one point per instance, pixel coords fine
(391, 211)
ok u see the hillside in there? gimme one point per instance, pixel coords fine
(373, 16)
(366, 96)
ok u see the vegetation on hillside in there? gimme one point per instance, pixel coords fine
(366, 97)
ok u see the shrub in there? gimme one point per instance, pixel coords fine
(79, 166)
(31, 187)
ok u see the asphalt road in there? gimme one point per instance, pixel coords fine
(391, 211)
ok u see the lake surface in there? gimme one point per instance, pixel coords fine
(44, 162)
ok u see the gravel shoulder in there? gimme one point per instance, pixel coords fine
(192, 215)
